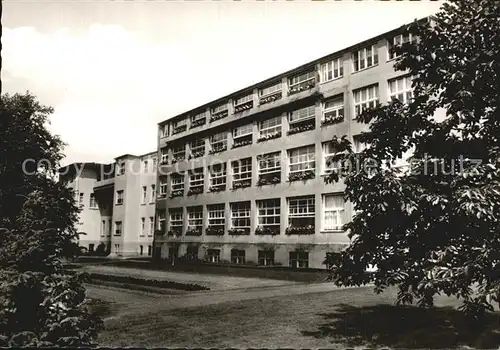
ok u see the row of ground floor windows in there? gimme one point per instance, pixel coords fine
(238, 256)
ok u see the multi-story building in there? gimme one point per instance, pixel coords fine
(241, 179)
(117, 203)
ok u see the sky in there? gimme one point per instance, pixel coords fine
(113, 70)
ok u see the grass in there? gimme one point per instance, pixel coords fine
(308, 320)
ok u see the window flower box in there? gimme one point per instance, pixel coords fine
(239, 231)
(268, 179)
(272, 231)
(197, 154)
(309, 125)
(217, 188)
(270, 98)
(178, 159)
(300, 230)
(174, 233)
(302, 176)
(179, 129)
(198, 122)
(195, 190)
(242, 143)
(219, 115)
(332, 120)
(214, 231)
(242, 184)
(217, 150)
(274, 135)
(193, 231)
(243, 106)
(305, 85)
(178, 193)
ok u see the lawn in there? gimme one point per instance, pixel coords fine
(350, 317)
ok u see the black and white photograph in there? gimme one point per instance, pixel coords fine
(320, 174)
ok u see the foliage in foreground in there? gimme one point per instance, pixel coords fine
(42, 304)
(435, 227)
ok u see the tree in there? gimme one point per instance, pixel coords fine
(43, 304)
(434, 228)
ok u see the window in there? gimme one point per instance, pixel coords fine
(328, 152)
(299, 259)
(266, 257)
(117, 248)
(240, 215)
(164, 155)
(301, 78)
(176, 219)
(163, 186)
(269, 213)
(301, 211)
(103, 228)
(220, 108)
(151, 225)
(179, 122)
(270, 127)
(161, 221)
(269, 168)
(80, 201)
(218, 142)
(143, 226)
(150, 250)
(242, 131)
(332, 70)
(196, 180)
(121, 168)
(243, 100)
(302, 159)
(242, 170)
(177, 183)
(216, 215)
(145, 165)
(118, 228)
(195, 217)
(401, 89)
(365, 98)
(397, 41)
(218, 174)
(192, 253)
(197, 148)
(364, 58)
(302, 114)
(333, 212)
(93, 202)
(91, 248)
(213, 255)
(237, 256)
(153, 193)
(144, 194)
(163, 130)
(358, 146)
(333, 110)
(179, 153)
(199, 116)
(270, 90)
(155, 163)
(119, 197)
(108, 233)
(141, 250)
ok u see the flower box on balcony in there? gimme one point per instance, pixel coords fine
(217, 150)
(178, 193)
(195, 190)
(243, 142)
(239, 231)
(332, 120)
(195, 231)
(270, 98)
(174, 233)
(305, 85)
(217, 188)
(301, 176)
(274, 135)
(214, 231)
(243, 106)
(268, 179)
(179, 129)
(272, 231)
(218, 115)
(306, 126)
(198, 122)
(197, 154)
(300, 230)
(242, 184)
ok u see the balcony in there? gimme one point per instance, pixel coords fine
(302, 86)
(179, 129)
